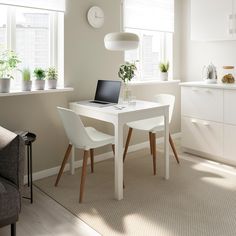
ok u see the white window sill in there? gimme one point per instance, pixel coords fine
(17, 93)
(143, 82)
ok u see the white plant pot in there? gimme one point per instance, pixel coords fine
(164, 76)
(51, 83)
(5, 85)
(39, 84)
(26, 85)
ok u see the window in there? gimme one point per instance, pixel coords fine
(34, 30)
(153, 21)
(33, 37)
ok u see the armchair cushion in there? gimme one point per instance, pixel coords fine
(11, 157)
(12, 153)
(9, 202)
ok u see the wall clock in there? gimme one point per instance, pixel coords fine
(95, 17)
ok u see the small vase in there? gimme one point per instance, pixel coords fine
(39, 84)
(26, 85)
(51, 83)
(164, 76)
(4, 85)
(126, 93)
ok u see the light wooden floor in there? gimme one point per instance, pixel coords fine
(46, 217)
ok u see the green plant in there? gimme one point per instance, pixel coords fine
(52, 73)
(39, 73)
(26, 75)
(127, 71)
(164, 67)
(8, 63)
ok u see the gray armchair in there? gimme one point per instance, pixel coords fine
(11, 177)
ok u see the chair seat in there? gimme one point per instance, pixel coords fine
(151, 125)
(99, 139)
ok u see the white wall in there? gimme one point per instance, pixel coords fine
(194, 55)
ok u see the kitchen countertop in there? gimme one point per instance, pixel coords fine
(202, 84)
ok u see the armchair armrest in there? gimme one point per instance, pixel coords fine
(12, 152)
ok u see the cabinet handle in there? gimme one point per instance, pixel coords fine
(195, 89)
(206, 124)
(194, 121)
(231, 24)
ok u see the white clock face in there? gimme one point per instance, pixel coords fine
(95, 17)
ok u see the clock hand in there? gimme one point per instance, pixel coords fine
(96, 16)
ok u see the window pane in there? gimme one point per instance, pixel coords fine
(33, 37)
(3, 27)
(149, 54)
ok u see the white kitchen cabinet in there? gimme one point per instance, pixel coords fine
(203, 136)
(229, 152)
(208, 120)
(202, 103)
(213, 20)
(230, 107)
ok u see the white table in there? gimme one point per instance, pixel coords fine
(142, 110)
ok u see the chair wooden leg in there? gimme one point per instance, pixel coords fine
(113, 148)
(150, 141)
(173, 148)
(154, 152)
(83, 175)
(127, 143)
(13, 229)
(92, 159)
(66, 157)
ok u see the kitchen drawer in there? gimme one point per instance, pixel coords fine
(230, 107)
(202, 103)
(201, 135)
(230, 143)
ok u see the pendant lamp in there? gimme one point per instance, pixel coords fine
(121, 41)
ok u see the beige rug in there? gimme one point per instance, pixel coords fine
(197, 200)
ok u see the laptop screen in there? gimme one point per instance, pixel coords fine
(108, 91)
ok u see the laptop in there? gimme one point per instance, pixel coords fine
(107, 92)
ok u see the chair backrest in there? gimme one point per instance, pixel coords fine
(166, 99)
(74, 128)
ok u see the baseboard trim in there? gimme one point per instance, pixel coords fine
(102, 157)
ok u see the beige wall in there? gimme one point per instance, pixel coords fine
(86, 61)
(197, 54)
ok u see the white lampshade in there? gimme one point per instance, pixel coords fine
(121, 41)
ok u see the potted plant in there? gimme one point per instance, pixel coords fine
(39, 75)
(8, 64)
(126, 73)
(164, 67)
(51, 77)
(26, 80)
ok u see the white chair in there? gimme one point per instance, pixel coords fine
(152, 126)
(86, 138)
